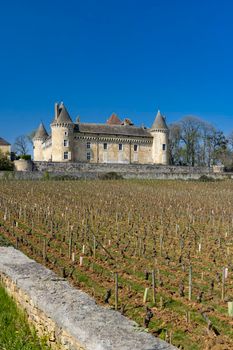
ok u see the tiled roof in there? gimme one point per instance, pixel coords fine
(63, 116)
(41, 132)
(114, 120)
(123, 130)
(159, 122)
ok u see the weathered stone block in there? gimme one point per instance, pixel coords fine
(69, 318)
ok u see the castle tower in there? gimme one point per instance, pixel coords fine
(62, 129)
(38, 140)
(159, 131)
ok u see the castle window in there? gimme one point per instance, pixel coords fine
(120, 147)
(65, 133)
(135, 148)
(66, 155)
(66, 143)
(105, 146)
(164, 147)
(88, 156)
(88, 144)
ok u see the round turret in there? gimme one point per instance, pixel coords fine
(160, 131)
(62, 135)
(39, 138)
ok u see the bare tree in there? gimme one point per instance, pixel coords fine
(190, 136)
(217, 144)
(205, 150)
(30, 136)
(174, 143)
(21, 145)
(230, 140)
(193, 141)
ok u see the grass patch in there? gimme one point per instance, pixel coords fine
(180, 337)
(4, 242)
(15, 333)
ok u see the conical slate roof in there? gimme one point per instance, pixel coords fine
(114, 120)
(159, 122)
(63, 116)
(41, 132)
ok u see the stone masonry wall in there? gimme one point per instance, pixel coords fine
(68, 318)
(127, 171)
(87, 171)
(119, 168)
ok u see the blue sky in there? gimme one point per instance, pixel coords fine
(125, 56)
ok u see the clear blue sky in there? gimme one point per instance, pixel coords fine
(123, 56)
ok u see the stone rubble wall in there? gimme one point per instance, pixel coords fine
(66, 317)
(41, 170)
(119, 168)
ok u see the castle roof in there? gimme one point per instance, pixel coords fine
(159, 122)
(41, 132)
(4, 142)
(123, 130)
(63, 115)
(114, 120)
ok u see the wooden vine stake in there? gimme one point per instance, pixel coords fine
(161, 244)
(230, 308)
(161, 303)
(94, 246)
(44, 249)
(223, 283)
(190, 283)
(145, 295)
(116, 291)
(70, 246)
(17, 243)
(153, 286)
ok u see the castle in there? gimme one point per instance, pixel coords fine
(114, 142)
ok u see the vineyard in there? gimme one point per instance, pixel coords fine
(163, 247)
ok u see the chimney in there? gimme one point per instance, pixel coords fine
(56, 110)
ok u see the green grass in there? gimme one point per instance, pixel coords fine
(4, 241)
(15, 333)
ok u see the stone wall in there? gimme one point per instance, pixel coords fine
(45, 170)
(66, 317)
(5, 149)
(127, 171)
(112, 154)
(23, 165)
(119, 168)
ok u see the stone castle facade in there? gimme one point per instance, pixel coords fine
(114, 142)
(5, 147)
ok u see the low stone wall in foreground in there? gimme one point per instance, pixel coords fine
(67, 317)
